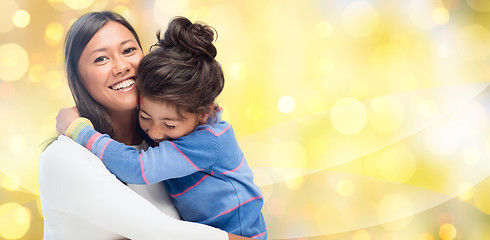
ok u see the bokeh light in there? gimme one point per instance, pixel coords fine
(238, 71)
(447, 232)
(14, 62)
(11, 182)
(473, 42)
(54, 34)
(21, 18)
(15, 220)
(286, 104)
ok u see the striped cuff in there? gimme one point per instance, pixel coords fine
(76, 126)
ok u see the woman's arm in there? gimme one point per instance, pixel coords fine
(75, 181)
(171, 159)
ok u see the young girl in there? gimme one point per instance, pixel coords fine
(197, 155)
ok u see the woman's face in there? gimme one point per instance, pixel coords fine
(107, 67)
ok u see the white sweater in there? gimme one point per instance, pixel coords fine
(81, 199)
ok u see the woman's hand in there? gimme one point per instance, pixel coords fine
(65, 117)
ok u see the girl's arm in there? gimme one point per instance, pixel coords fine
(171, 159)
(75, 182)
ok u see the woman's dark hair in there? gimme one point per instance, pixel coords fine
(77, 39)
(182, 69)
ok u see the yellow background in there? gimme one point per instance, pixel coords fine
(365, 119)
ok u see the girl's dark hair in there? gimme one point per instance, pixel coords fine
(182, 69)
(77, 39)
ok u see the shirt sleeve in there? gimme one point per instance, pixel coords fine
(171, 159)
(74, 182)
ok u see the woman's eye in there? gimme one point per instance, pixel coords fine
(129, 50)
(169, 126)
(100, 59)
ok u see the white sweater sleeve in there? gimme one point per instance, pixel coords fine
(75, 182)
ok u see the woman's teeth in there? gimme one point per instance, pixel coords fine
(123, 84)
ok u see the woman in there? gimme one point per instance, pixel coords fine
(80, 198)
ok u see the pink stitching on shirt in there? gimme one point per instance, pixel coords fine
(91, 141)
(231, 209)
(236, 167)
(103, 149)
(142, 171)
(218, 134)
(189, 188)
(185, 156)
(258, 235)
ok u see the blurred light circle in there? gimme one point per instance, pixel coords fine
(238, 71)
(14, 62)
(394, 212)
(78, 4)
(479, 5)
(345, 187)
(465, 191)
(396, 164)
(21, 18)
(11, 182)
(447, 232)
(482, 196)
(286, 104)
(440, 16)
(7, 90)
(348, 116)
(421, 13)
(294, 182)
(473, 42)
(386, 114)
(123, 11)
(15, 220)
(54, 34)
(7, 11)
(53, 79)
(36, 72)
(360, 19)
(361, 235)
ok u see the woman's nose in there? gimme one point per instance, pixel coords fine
(120, 66)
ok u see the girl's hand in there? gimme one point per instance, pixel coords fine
(65, 117)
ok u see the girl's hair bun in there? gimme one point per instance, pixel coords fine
(195, 38)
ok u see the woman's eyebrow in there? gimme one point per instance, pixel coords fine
(104, 49)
